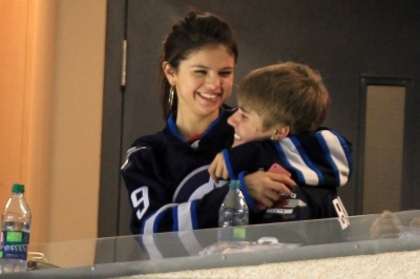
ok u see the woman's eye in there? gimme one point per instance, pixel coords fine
(200, 72)
(225, 74)
(243, 116)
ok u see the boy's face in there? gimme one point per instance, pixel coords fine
(248, 126)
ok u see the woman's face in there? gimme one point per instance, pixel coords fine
(203, 81)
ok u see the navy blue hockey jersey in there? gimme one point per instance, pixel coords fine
(167, 179)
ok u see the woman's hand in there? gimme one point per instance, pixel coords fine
(218, 169)
(386, 226)
(266, 188)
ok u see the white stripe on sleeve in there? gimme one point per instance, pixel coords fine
(150, 246)
(295, 160)
(190, 242)
(338, 155)
(184, 217)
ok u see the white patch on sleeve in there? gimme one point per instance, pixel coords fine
(184, 217)
(206, 188)
(150, 245)
(295, 160)
(338, 155)
(131, 151)
(190, 242)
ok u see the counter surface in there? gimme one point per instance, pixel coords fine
(315, 248)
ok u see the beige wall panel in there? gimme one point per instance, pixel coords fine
(77, 119)
(384, 142)
(51, 86)
(39, 92)
(13, 29)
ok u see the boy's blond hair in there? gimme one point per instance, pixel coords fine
(287, 93)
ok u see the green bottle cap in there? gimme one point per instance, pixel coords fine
(18, 188)
(235, 184)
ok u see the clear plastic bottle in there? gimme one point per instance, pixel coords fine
(234, 210)
(1, 256)
(16, 226)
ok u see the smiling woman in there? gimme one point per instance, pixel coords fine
(203, 83)
(166, 174)
(197, 77)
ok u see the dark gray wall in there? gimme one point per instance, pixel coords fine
(344, 40)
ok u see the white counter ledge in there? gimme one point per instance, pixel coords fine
(401, 265)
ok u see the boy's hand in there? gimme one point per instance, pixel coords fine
(415, 223)
(218, 169)
(281, 202)
(264, 187)
(386, 226)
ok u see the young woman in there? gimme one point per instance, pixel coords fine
(166, 173)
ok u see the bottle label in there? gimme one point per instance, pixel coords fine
(15, 244)
(239, 233)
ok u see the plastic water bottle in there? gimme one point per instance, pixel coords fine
(16, 226)
(234, 210)
(1, 257)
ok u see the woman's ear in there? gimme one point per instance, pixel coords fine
(280, 132)
(169, 72)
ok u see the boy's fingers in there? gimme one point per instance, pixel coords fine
(267, 202)
(386, 214)
(283, 180)
(281, 189)
(260, 206)
(386, 226)
(385, 231)
(272, 195)
(389, 235)
(415, 223)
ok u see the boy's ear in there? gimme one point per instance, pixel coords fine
(280, 133)
(169, 72)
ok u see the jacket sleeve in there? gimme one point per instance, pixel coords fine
(151, 200)
(250, 157)
(321, 158)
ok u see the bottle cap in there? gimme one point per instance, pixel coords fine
(18, 188)
(235, 184)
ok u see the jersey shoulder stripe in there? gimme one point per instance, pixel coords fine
(131, 151)
(292, 160)
(336, 155)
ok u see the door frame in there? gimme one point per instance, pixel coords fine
(406, 187)
(113, 109)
